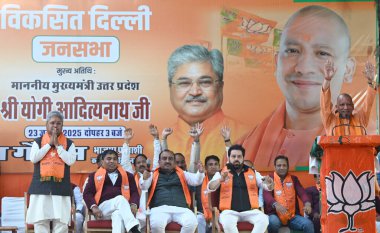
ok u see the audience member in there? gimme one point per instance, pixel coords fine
(111, 193)
(239, 193)
(281, 204)
(169, 196)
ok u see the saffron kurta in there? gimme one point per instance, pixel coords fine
(359, 120)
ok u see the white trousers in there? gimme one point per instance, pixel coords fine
(141, 213)
(141, 217)
(119, 211)
(203, 226)
(230, 218)
(44, 226)
(162, 215)
(79, 223)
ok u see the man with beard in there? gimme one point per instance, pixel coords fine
(239, 193)
(312, 35)
(204, 216)
(111, 193)
(281, 204)
(343, 120)
(169, 196)
(50, 189)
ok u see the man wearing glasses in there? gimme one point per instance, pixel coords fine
(195, 78)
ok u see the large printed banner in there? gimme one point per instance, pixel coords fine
(103, 64)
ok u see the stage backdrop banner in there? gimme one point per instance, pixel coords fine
(103, 64)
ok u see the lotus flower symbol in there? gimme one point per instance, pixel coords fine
(350, 195)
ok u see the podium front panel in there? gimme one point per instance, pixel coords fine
(347, 183)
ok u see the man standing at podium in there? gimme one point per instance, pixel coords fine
(343, 119)
(345, 162)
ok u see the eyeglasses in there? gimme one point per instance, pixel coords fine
(186, 84)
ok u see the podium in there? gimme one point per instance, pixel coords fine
(348, 183)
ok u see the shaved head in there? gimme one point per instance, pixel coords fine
(344, 106)
(322, 12)
(311, 36)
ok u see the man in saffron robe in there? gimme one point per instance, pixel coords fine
(344, 119)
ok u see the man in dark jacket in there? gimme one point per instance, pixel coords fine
(111, 193)
(281, 204)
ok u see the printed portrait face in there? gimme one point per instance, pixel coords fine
(306, 44)
(195, 92)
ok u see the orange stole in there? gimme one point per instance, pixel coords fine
(182, 178)
(137, 181)
(347, 130)
(100, 177)
(204, 199)
(52, 165)
(284, 194)
(226, 190)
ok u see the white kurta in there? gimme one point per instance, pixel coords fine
(43, 207)
(46, 207)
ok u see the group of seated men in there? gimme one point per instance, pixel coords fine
(126, 193)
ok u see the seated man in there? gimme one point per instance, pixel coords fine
(180, 161)
(111, 193)
(314, 197)
(204, 212)
(281, 204)
(239, 193)
(140, 165)
(79, 208)
(226, 134)
(343, 120)
(169, 197)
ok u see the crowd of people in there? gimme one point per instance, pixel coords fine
(125, 190)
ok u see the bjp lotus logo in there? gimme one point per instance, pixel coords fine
(350, 195)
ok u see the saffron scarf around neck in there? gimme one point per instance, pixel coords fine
(344, 127)
(51, 165)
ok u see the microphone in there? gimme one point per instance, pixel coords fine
(358, 126)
